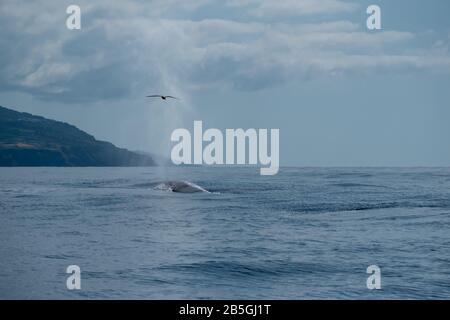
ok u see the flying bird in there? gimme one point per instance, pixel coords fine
(162, 97)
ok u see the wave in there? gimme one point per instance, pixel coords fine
(261, 269)
(333, 207)
(356, 185)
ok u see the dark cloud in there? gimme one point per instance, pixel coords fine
(126, 48)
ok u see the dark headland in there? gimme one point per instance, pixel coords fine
(28, 140)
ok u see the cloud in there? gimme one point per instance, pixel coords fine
(269, 8)
(126, 49)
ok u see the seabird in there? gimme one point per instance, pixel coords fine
(162, 97)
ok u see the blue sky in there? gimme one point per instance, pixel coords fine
(340, 94)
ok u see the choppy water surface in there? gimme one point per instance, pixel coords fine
(304, 233)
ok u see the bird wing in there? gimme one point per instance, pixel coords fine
(172, 97)
(154, 96)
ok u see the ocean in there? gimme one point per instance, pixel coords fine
(306, 233)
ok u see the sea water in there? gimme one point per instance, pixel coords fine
(304, 233)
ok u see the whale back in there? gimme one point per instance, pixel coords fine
(180, 187)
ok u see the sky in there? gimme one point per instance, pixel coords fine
(341, 95)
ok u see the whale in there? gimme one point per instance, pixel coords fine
(180, 186)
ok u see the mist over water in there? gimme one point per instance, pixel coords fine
(304, 233)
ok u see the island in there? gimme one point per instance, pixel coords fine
(29, 140)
